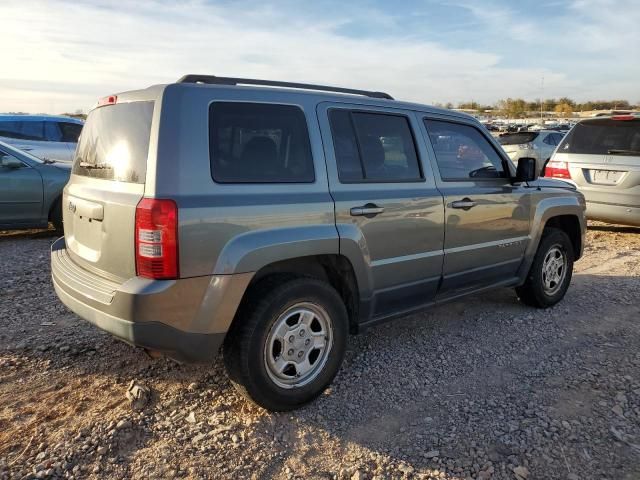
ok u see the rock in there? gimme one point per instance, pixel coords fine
(138, 395)
(358, 475)
(191, 418)
(618, 411)
(64, 348)
(521, 472)
(122, 424)
(101, 450)
(406, 469)
(432, 454)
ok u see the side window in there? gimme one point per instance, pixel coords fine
(373, 147)
(32, 131)
(6, 158)
(70, 131)
(52, 132)
(10, 129)
(550, 139)
(259, 143)
(462, 152)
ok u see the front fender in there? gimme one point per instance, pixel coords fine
(544, 210)
(249, 252)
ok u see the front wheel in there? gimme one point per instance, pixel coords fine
(287, 343)
(550, 272)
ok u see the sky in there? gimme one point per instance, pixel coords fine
(61, 56)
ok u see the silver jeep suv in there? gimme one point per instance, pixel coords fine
(273, 219)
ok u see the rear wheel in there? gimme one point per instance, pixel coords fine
(287, 343)
(550, 272)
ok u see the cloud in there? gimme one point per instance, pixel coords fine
(61, 56)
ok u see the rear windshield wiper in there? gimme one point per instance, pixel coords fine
(93, 166)
(623, 152)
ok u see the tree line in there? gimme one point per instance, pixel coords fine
(564, 106)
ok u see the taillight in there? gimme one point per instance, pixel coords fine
(623, 117)
(156, 240)
(557, 170)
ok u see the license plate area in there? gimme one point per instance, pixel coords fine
(606, 177)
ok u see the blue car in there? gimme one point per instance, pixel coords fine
(30, 189)
(45, 136)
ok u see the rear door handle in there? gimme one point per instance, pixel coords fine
(368, 210)
(465, 204)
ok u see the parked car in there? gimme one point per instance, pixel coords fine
(30, 189)
(45, 136)
(275, 221)
(602, 157)
(539, 145)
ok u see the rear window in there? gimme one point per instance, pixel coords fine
(114, 143)
(23, 130)
(259, 143)
(517, 138)
(603, 137)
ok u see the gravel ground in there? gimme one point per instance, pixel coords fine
(481, 388)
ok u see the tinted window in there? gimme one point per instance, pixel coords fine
(22, 130)
(115, 143)
(373, 147)
(70, 131)
(259, 143)
(462, 152)
(550, 139)
(603, 137)
(517, 138)
(52, 132)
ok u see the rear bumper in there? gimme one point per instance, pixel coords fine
(611, 213)
(185, 319)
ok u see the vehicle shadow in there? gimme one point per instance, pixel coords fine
(614, 228)
(29, 234)
(406, 396)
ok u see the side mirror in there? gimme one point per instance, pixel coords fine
(11, 163)
(527, 170)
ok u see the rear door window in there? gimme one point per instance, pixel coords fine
(603, 137)
(23, 130)
(462, 152)
(115, 143)
(373, 147)
(259, 143)
(52, 132)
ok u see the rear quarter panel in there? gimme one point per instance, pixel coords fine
(236, 228)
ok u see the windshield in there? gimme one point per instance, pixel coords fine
(603, 137)
(517, 138)
(114, 143)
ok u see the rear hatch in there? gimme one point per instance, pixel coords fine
(107, 182)
(603, 157)
(513, 142)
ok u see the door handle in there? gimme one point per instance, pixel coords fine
(464, 204)
(368, 210)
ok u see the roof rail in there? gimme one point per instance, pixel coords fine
(212, 79)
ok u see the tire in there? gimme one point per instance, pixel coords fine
(282, 320)
(541, 289)
(55, 216)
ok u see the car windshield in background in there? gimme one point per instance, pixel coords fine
(518, 138)
(114, 143)
(603, 137)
